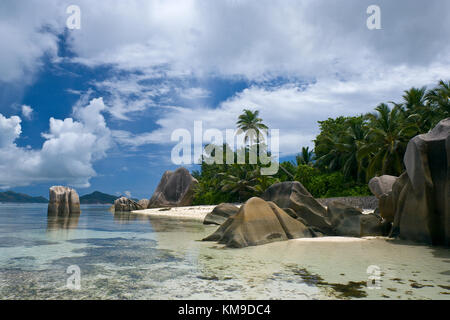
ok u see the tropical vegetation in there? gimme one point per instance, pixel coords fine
(347, 152)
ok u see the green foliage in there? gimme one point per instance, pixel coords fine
(348, 151)
(374, 144)
(327, 185)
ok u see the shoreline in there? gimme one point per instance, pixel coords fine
(195, 213)
(198, 214)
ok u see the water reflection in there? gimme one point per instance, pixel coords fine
(55, 222)
(128, 217)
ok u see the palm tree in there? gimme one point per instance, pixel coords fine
(331, 158)
(340, 151)
(439, 99)
(250, 121)
(306, 157)
(385, 142)
(417, 109)
(240, 181)
(349, 147)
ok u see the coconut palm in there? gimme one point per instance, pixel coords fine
(331, 158)
(417, 109)
(349, 146)
(342, 150)
(439, 99)
(305, 157)
(249, 122)
(386, 139)
(240, 181)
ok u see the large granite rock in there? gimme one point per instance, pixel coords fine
(125, 205)
(381, 185)
(258, 222)
(176, 189)
(63, 201)
(220, 213)
(293, 195)
(421, 196)
(351, 222)
(144, 203)
(362, 202)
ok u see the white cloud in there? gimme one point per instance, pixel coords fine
(259, 39)
(193, 93)
(67, 155)
(27, 32)
(27, 112)
(10, 130)
(156, 44)
(294, 109)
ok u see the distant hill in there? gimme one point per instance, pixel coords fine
(97, 197)
(11, 196)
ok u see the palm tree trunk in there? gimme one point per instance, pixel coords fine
(287, 172)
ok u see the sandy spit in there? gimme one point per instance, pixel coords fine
(196, 213)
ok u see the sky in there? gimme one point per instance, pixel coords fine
(94, 108)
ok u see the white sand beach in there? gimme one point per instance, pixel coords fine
(196, 213)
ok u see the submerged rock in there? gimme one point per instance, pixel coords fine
(221, 213)
(63, 201)
(420, 197)
(258, 222)
(125, 205)
(176, 189)
(293, 195)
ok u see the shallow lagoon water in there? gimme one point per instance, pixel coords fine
(131, 256)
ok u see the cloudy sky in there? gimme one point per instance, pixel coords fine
(95, 107)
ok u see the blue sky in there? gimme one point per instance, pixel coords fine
(94, 108)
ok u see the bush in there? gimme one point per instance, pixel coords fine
(328, 185)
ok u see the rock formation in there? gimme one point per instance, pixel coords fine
(144, 203)
(125, 205)
(420, 197)
(362, 202)
(176, 189)
(293, 195)
(63, 202)
(381, 185)
(258, 222)
(351, 222)
(220, 213)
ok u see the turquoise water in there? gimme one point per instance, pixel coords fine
(129, 256)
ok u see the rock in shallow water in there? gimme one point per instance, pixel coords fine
(63, 201)
(176, 189)
(258, 222)
(125, 205)
(220, 213)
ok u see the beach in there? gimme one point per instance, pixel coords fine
(194, 213)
